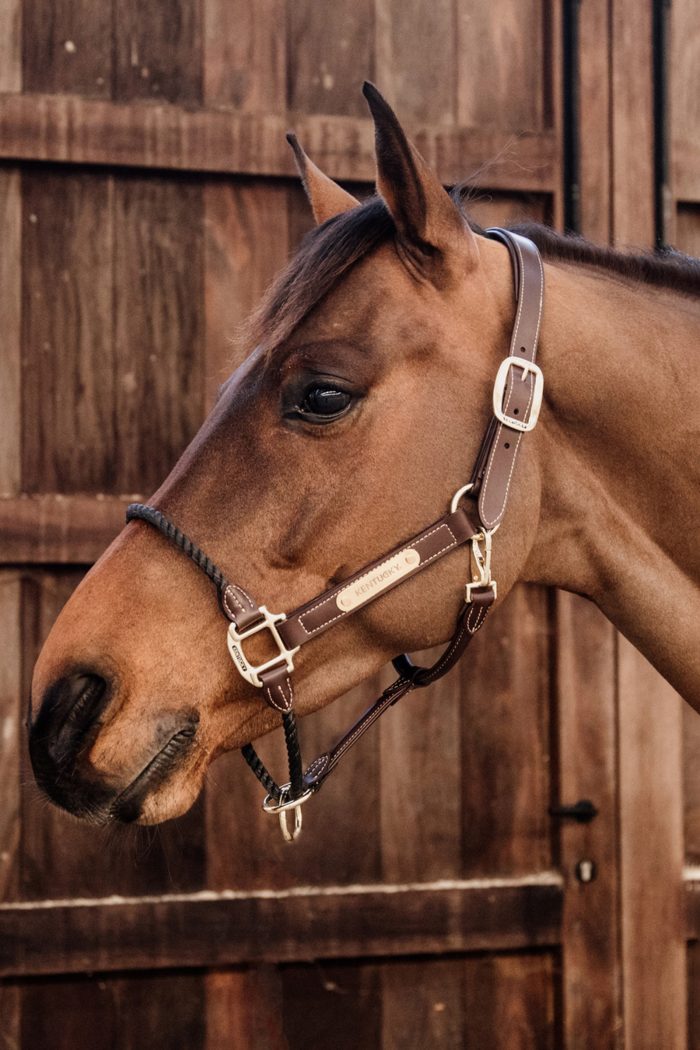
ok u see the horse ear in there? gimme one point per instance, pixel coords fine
(327, 198)
(429, 224)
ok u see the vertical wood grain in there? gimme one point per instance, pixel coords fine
(11, 45)
(651, 856)
(158, 50)
(595, 121)
(10, 1015)
(244, 1009)
(334, 1004)
(502, 65)
(505, 740)
(632, 125)
(10, 731)
(245, 55)
(11, 313)
(245, 244)
(408, 42)
(158, 394)
(67, 47)
(67, 353)
(587, 738)
(329, 54)
(510, 1003)
(423, 1004)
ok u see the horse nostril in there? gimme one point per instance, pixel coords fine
(70, 707)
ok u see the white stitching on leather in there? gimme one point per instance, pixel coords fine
(332, 597)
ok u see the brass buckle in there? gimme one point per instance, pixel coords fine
(235, 638)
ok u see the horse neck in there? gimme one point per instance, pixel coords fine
(620, 472)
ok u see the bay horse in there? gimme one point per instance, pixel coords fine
(352, 423)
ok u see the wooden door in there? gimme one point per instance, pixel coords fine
(147, 199)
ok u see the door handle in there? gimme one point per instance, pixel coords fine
(582, 811)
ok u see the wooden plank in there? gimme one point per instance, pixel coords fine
(651, 855)
(423, 1003)
(86, 131)
(510, 1003)
(214, 929)
(67, 47)
(245, 244)
(691, 785)
(688, 226)
(244, 55)
(595, 121)
(506, 740)
(591, 977)
(158, 395)
(335, 1004)
(158, 50)
(11, 45)
(11, 1014)
(684, 100)
(55, 529)
(328, 55)
(11, 736)
(421, 783)
(100, 1012)
(503, 61)
(407, 42)
(68, 373)
(632, 125)
(11, 313)
(693, 996)
(244, 1009)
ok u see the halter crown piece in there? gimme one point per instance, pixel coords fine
(475, 513)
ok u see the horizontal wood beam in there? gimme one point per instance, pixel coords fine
(219, 929)
(53, 529)
(71, 129)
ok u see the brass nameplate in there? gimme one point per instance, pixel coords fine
(377, 580)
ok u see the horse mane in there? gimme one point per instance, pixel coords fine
(328, 251)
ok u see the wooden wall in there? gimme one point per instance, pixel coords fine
(147, 197)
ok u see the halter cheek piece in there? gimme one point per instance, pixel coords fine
(517, 397)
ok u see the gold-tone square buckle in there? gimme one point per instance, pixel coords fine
(235, 638)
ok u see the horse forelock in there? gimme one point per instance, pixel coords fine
(325, 255)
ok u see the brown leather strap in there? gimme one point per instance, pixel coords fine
(496, 462)
(378, 577)
(411, 677)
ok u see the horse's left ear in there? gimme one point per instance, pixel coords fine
(327, 198)
(430, 227)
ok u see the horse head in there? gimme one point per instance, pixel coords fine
(351, 424)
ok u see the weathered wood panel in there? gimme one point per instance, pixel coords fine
(11, 45)
(210, 929)
(158, 397)
(505, 741)
(591, 971)
(158, 50)
(11, 313)
(245, 55)
(87, 131)
(67, 47)
(510, 1002)
(10, 731)
(406, 45)
(67, 354)
(651, 855)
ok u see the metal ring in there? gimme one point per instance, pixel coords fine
(458, 495)
(273, 805)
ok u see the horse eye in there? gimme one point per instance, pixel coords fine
(325, 401)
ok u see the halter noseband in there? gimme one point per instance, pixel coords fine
(517, 397)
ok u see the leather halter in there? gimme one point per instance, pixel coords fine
(517, 397)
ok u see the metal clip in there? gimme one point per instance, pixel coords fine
(482, 560)
(282, 807)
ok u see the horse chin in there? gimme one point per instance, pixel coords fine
(157, 794)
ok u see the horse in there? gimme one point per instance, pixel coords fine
(353, 422)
